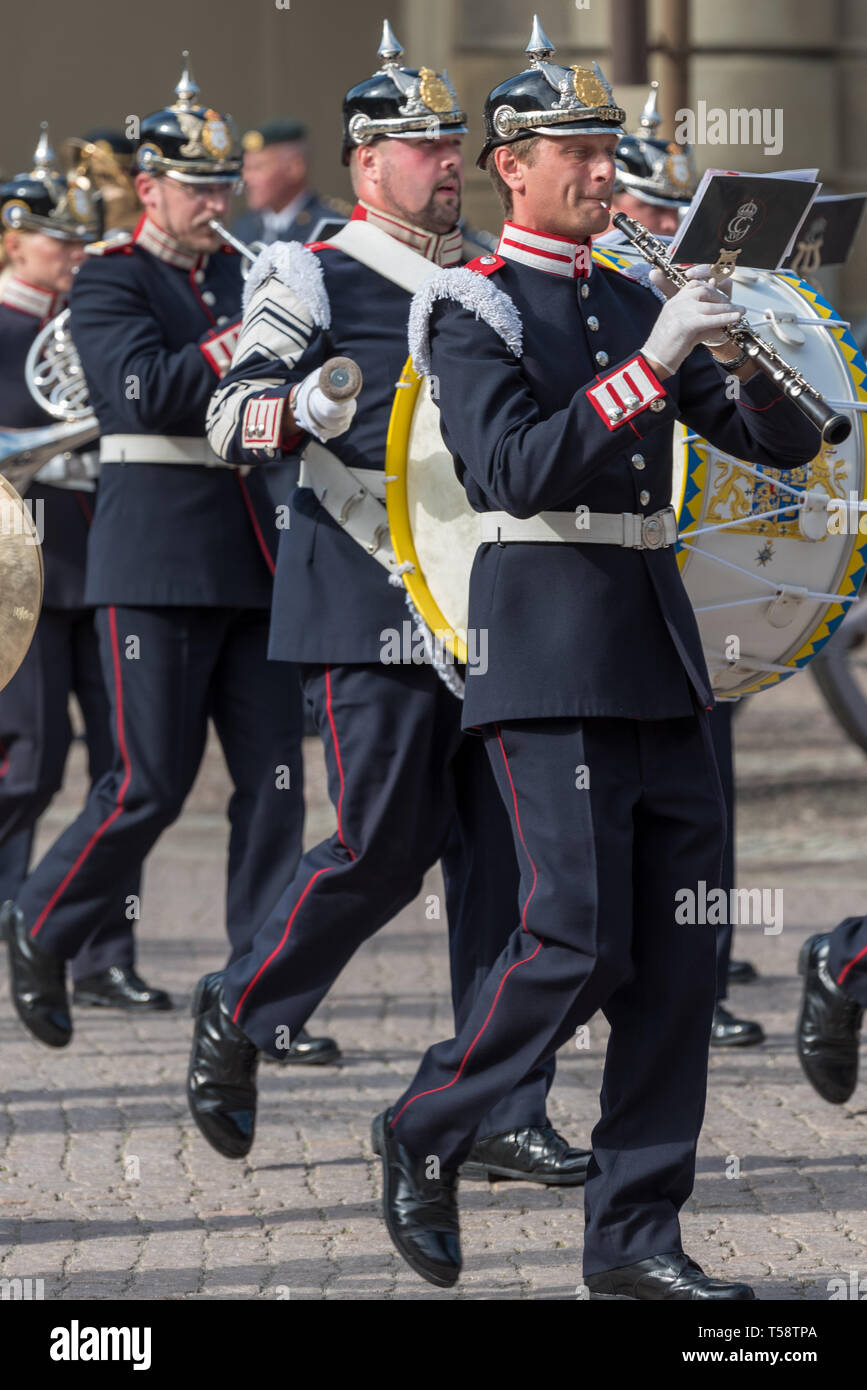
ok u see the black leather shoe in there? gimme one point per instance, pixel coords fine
(672, 1277)
(741, 972)
(828, 1026)
(307, 1052)
(421, 1213)
(728, 1031)
(221, 1081)
(119, 987)
(37, 982)
(537, 1154)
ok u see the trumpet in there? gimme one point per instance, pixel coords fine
(56, 382)
(833, 426)
(248, 252)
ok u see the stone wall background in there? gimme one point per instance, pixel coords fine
(87, 62)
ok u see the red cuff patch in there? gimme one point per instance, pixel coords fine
(219, 347)
(628, 391)
(263, 423)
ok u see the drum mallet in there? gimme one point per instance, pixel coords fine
(340, 379)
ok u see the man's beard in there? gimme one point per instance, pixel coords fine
(433, 217)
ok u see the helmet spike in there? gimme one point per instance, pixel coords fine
(187, 89)
(43, 155)
(540, 46)
(650, 117)
(389, 49)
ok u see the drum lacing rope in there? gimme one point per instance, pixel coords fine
(759, 578)
(751, 663)
(714, 456)
(435, 651)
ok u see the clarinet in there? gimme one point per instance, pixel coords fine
(833, 427)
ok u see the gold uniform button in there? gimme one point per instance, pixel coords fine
(584, 291)
(638, 461)
(644, 497)
(657, 405)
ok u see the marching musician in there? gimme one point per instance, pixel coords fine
(179, 568)
(407, 787)
(654, 183)
(559, 384)
(655, 179)
(47, 222)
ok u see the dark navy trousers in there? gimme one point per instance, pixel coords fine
(408, 789)
(35, 735)
(720, 720)
(847, 957)
(168, 671)
(601, 864)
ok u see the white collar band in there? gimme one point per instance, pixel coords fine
(556, 255)
(30, 299)
(444, 250)
(165, 247)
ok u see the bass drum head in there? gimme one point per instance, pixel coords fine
(768, 597)
(20, 580)
(433, 527)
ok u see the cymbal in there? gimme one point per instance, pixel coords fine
(20, 580)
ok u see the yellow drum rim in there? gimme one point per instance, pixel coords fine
(397, 505)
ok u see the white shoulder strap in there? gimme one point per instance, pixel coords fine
(383, 253)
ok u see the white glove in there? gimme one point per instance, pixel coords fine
(316, 414)
(697, 313)
(695, 272)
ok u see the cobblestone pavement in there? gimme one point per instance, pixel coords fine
(108, 1192)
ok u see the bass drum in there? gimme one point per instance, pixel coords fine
(20, 580)
(769, 579)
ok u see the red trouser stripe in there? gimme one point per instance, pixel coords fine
(854, 961)
(526, 960)
(520, 831)
(339, 761)
(279, 947)
(119, 800)
(256, 527)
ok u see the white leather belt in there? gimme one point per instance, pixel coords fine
(158, 448)
(353, 497)
(71, 470)
(629, 529)
(373, 479)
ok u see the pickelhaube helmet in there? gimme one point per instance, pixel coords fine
(112, 143)
(656, 171)
(547, 99)
(188, 142)
(44, 201)
(401, 103)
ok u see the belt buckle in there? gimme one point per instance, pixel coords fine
(656, 529)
